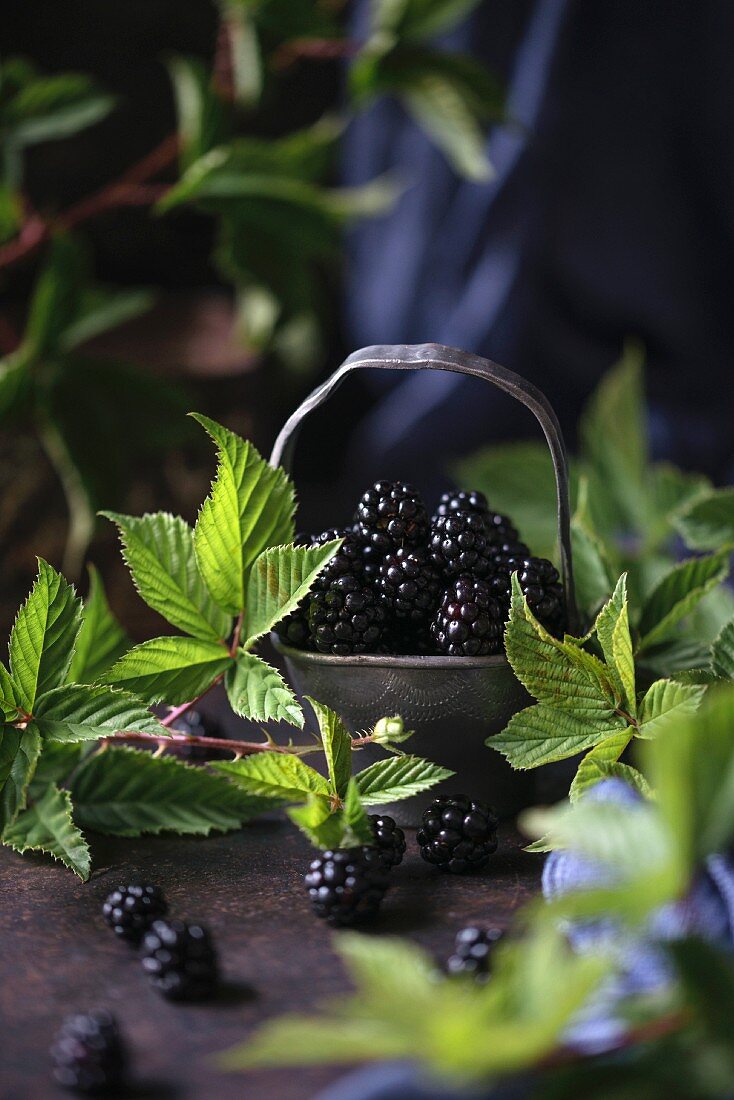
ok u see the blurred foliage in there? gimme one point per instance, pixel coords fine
(278, 221)
(631, 515)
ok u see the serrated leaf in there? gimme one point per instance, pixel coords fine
(556, 673)
(250, 507)
(8, 694)
(256, 690)
(623, 659)
(159, 551)
(43, 636)
(359, 830)
(101, 639)
(609, 616)
(592, 571)
(274, 775)
(174, 670)
(708, 522)
(84, 712)
(47, 826)
(19, 752)
(540, 734)
(280, 578)
(595, 764)
(55, 764)
(128, 793)
(678, 593)
(722, 653)
(398, 777)
(319, 821)
(337, 746)
(665, 703)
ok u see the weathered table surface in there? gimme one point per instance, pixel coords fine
(56, 954)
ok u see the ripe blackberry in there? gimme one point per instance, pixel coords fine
(500, 529)
(389, 839)
(392, 514)
(344, 615)
(347, 885)
(472, 952)
(130, 910)
(460, 543)
(473, 501)
(540, 584)
(458, 834)
(180, 960)
(469, 621)
(408, 586)
(194, 724)
(88, 1054)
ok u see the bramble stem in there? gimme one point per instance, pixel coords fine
(237, 748)
(176, 712)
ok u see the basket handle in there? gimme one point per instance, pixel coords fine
(438, 357)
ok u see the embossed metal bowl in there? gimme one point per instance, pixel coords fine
(453, 703)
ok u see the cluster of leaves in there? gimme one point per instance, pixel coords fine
(403, 1007)
(630, 516)
(588, 698)
(76, 696)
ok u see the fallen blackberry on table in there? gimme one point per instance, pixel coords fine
(540, 585)
(469, 621)
(472, 952)
(457, 834)
(130, 910)
(180, 960)
(389, 839)
(195, 724)
(88, 1055)
(347, 885)
(392, 514)
(472, 501)
(460, 543)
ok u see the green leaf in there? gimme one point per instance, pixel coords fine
(678, 593)
(540, 734)
(274, 775)
(557, 674)
(426, 20)
(595, 765)
(101, 639)
(19, 752)
(398, 777)
(128, 793)
(319, 821)
(355, 818)
(592, 571)
(337, 746)
(609, 616)
(708, 522)
(613, 631)
(43, 636)
(201, 114)
(722, 653)
(47, 826)
(55, 764)
(250, 507)
(8, 694)
(99, 310)
(440, 109)
(665, 703)
(61, 120)
(280, 578)
(159, 551)
(55, 298)
(257, 691)
(84, 712)
(174, 670)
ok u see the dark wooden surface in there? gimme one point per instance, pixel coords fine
(57, 956)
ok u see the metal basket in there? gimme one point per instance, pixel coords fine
(453, 703)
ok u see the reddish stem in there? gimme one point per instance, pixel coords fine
(176, 712)
(237, 748)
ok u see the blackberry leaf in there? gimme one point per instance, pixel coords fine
(337, 746)
(249, 508)
(101, 639)
(159, 552)
(83, 712)
(43, 636)
(172, 669)
(319, 822)
(678, 593)
(355, 817)
(722, 653)
(540, 734)
(47, 826)
(128, 793)
(19, 752)
(666, 703)
(397, 778)
(595, 764)
(274, 775)
(708, 522)
(256, 690)
(280, 578)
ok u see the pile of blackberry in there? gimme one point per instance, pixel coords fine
(406, 584)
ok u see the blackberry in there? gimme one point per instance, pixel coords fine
(460, 543)
(473, 501)
(500, 529)
(130, 910)
(194, 724)
(344, 615)
(408, 585)
(472, 952)
(539, 582)
(389, 839)
(180, 960)
(458, 834)
(347, 885)
(469, 621)
(88, 1054)
(392, 514)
